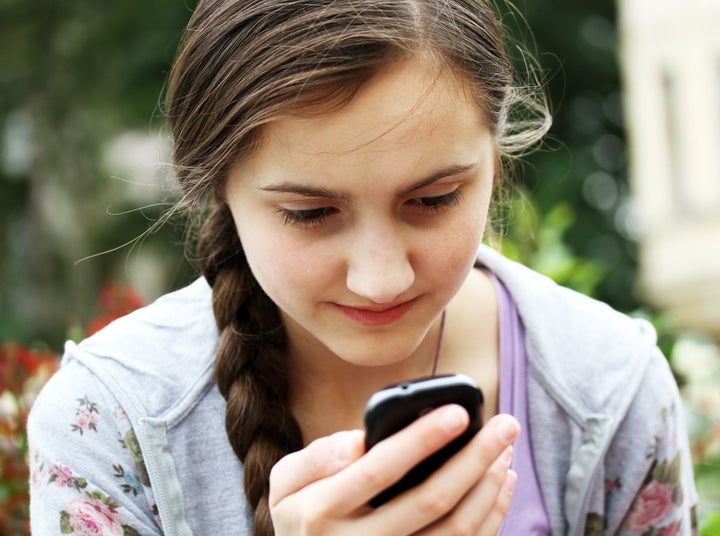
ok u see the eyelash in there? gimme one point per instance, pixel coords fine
(306, 218)
(312, 218)
(439, 203)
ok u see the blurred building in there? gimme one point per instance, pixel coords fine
(671, 68)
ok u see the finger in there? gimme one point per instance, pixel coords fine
(439, 494)
(494, 521)
(481, 506)
(320, 459)
(391, 458)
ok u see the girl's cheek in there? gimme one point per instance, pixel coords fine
(284, 266)
(457, 250)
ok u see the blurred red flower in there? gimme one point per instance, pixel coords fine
(116, 300)
(23, 372)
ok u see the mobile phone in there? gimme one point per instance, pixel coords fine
(394, 407)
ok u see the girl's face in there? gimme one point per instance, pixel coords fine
(363, 223)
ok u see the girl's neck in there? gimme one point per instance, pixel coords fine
(329, 394)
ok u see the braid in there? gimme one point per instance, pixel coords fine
(250, 364)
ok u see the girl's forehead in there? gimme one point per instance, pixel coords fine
(403, 126)
(402, 104)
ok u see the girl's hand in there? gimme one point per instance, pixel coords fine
(325, 487)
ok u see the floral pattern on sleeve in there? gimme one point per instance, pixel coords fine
(91, 512)
(659, 497)
(87, 513)
(651, 512)
(94, 514)
(87, 416)
(654, 510)
(133, 482)
(657, 508)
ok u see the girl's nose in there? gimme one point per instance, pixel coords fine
(379, 267)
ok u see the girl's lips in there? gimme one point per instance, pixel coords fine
(374, 316)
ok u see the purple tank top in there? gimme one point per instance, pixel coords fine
(527, 515)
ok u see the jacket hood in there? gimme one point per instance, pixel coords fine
(577, 347)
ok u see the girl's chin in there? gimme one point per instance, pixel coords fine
(379, 353)
(337, 337)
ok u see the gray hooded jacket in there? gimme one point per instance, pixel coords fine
(130, 435)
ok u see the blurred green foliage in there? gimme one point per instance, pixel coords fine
(711, 527)
(573, 222)
(74, 75)
(77, 74)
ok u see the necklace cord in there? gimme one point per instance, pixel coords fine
(439, 343)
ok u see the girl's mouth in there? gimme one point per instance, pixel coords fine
(377, 316)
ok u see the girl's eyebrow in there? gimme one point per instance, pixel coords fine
(306, 191)
(450, 171)
(311, 191)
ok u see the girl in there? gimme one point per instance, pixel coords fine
(342, 156)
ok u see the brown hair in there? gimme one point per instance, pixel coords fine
(245, 63)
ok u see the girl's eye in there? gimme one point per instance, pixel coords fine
(306, 218)
(431, 205)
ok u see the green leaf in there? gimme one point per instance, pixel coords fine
(129, 531)
(99, 495)
(112, 503)
(661, 472)
(674, 471)
(65, 527)
(594, 524)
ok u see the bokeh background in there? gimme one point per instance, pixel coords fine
(621, 202)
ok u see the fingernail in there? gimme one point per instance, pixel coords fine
(508, 428)
(453, 418)
(510, 479)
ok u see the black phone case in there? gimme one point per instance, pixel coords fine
(393, 408)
